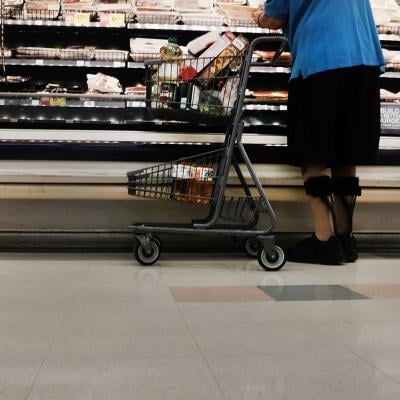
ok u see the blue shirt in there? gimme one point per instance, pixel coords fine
(328, 34)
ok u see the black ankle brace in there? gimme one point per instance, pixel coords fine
(344, 187)
(321, 187)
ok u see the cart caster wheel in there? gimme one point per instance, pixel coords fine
(252, 247)
(148, 258)
(274, 262)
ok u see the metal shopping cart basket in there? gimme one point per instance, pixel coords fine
(217, 93)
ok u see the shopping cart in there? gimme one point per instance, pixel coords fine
(215, 95)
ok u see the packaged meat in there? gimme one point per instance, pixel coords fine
(285, 59)
(40, 9)
(201, 43)
(77, 53)
(270, 96)
(146, 48)
(110, 55)
(38, 52)
(157, 17)
(138, 92)
(238, 12)
(102, 83)
(154, 5)
(388, 96)
(203, 19)
(190, 6)
(235, 2)
(6, 53)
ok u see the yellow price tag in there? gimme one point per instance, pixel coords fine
(58, 101)
(81, 18)
(116, 19)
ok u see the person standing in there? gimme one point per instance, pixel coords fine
(333, 112)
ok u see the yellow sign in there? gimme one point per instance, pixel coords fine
(81, 18)
(116, 19)
(58, 101)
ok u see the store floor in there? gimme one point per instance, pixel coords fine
(197, 327)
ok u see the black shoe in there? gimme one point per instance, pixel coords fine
(349, 244)
(314, 251)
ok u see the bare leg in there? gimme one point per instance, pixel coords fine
(341, 215)
(321, 214)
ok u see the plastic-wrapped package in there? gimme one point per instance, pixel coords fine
(103, 83)
(191, 6)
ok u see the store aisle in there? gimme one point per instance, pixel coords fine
(197, 327)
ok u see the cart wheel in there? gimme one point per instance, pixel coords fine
(251, 247)
(274, 262)
(151, 257)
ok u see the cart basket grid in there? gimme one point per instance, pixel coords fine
(207, 86)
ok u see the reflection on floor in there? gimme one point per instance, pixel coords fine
(197, 327)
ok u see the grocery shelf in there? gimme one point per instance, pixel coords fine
(64, 63)
(51, 23)
(202, 28)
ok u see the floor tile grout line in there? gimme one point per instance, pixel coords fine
(359, 356)
(56, 335)
(350, 350)
(199, 349)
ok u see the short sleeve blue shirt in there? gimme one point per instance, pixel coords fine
(328, 34)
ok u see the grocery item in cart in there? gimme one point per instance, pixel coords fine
(201, 186)
(224, 59)
(196, 46)
(182, 175)
(103, 83)
(212, 52)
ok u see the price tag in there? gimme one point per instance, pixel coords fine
(116, 20)
(39, 22)
(118, 64)
(80, 63)
(81, 18)
(58, 101)
(39, 62)
(88, 103)
(35, 102)
(2, 102)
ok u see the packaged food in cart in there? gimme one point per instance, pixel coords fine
(182, 175)
(202, 184)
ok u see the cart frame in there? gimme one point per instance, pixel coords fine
(260, 242)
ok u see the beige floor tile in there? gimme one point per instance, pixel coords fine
(233, 294)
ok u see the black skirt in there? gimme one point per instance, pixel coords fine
(334, 117)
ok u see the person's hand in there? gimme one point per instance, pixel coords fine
(256, 15)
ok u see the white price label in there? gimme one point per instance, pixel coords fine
(118, 64)
(39, 62)
(80, 63)
(88, 103)
(2, 102)
(35, 102)
(38, 22)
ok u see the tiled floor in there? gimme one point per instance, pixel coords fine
(197, 327)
